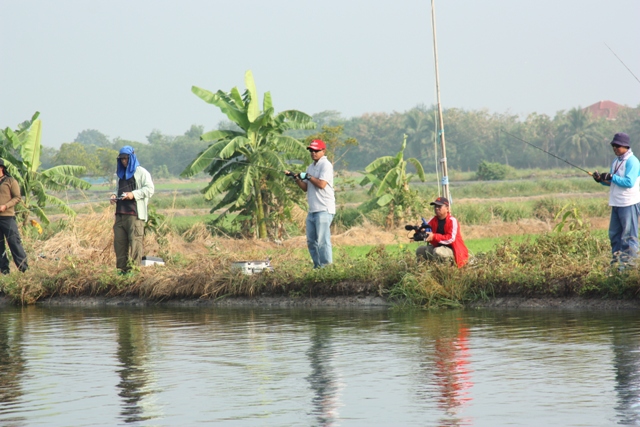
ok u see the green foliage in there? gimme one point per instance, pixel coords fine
(492, 171)
(246, 165)
(390, 187)
(93, 138)
(570, 217)
(161, 172)
(74, 153)
(346, 218)
(21, 151)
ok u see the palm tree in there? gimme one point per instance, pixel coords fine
(20, 150)
(420, 127)
(246, 164)
(390, 186)
(579, 135)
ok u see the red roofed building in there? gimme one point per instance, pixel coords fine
(604, 109)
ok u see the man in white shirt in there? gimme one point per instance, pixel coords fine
(624, 199)
(317, 182)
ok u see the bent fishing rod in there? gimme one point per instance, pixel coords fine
(625, 65)
(545, 151)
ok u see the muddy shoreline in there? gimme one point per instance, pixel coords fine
(362, 301)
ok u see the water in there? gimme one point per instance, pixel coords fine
(317, 367)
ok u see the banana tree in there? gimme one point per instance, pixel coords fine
(246, 164)
(390, 186)
(21, 150)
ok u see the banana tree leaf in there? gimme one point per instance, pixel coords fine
(262, 120)
(368, 206)
(272, 160)
(203, 94)
(248, 181)
(267, 103)
(203, 160)
(235, 95)
(230, 197)
(37, 211)
(13, 138)
(384, 200)
(416, 164)
(384, 161)
(61, 204)
(66, 175)
(27, 123)
(215, 135)
(253, 110)
(220, 185)
(233, 146)
(293, 116)
(222, 101)
(389, 181)
(291, 145)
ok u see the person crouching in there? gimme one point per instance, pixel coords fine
(445, 239)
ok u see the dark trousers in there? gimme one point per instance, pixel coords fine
(9, 232)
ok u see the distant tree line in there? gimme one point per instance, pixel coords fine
(476, 136)
(472, 137)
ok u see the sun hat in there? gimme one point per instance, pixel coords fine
(621, 139)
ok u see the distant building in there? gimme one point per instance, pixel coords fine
(604, 109)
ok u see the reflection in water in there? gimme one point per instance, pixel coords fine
(447, 377)
(12, 366)
(626, 359)
(132, 350)
(323, 379)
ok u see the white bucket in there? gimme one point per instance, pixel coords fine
(252, 267)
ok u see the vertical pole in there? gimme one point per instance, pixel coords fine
(443, 160)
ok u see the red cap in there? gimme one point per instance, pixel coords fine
(317, 144)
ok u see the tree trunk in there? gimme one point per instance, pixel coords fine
(261, 223)
(389, 219)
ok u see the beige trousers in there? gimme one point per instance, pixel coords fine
(441, 253)
(128, 232)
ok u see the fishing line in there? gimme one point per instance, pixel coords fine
(625, 65)
(230, 161)
(545, 151)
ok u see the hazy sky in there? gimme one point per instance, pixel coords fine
(126, 68)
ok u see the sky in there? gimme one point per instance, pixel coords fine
(126, 67)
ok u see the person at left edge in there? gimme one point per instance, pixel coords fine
(133, 191)
(9, 197)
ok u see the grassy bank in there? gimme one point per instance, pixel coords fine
(76, 259)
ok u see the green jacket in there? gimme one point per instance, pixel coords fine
(143, 192)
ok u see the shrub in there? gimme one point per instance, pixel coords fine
(491, 171)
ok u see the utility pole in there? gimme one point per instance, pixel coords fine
(443, 160)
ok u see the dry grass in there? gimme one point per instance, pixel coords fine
(78, 260)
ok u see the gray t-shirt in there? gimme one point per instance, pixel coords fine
(321, 200)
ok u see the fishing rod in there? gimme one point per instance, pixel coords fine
(545, 151)
(625, 65)
(217, 159)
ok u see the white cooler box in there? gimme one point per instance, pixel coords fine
(252, 267)
(151, 260)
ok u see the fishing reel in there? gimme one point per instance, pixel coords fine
(302, 175)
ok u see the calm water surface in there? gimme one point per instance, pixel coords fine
(317, 367)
